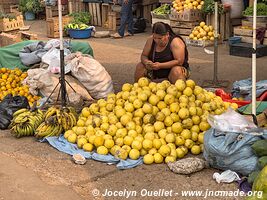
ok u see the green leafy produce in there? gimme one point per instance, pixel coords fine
(208, 7)
(162, 10)
(261, 10)
(81, 17)
(10, 17)
(260, 147)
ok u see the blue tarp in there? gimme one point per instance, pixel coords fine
(61, 144)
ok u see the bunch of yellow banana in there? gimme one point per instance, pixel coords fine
(67, 116)
(55, 121)
(25, 122)
(48, 129)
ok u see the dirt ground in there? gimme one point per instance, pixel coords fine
(32, 170)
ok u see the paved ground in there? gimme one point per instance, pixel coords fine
(33, 170)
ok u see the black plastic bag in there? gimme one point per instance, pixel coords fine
(8, 106)
(139, 25)
(5, 119)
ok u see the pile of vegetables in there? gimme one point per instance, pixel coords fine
(261, 10)
(162, 10)
(259, 178)
(208, 7)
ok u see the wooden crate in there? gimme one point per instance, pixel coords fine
(9, 39)
(95, 11)
(146, 12)
(224, 25)
(249, 24)
(15, 24)
(76, 6)
(113, 20)
(182, 28)
(155, 20)
(192, 15)
(247, 35)
(52, 11)
(149, 2)
(105, 8)
(52, 25)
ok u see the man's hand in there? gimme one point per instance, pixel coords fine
(115, 1)
(156, 66)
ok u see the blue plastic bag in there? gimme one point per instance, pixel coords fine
(230, 150)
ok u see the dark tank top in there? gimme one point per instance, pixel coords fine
(165, 56)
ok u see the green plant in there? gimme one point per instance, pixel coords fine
(10, 17)
(208, 7)
(81, 17)
(261, 10)
(30, 6)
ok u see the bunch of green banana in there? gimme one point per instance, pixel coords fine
(55, 121)
(67, 117)
(25, 122)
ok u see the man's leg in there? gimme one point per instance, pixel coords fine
(177, 72)
(124, 18)
(140, 71)
(130, 18)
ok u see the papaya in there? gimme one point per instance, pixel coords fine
(260, 147)
(260, 183)
(252, 176)
(262, 161)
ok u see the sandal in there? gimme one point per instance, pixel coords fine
(116, 36)
(128, 34)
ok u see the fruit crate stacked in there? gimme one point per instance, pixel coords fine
(161, 14)
(6, 4)
(12, 23)
(147, 7)
(52, 11)
(52, 25)
(185, 15)
(246, 34)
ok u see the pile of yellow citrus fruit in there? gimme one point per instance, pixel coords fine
(180, 5)
(11, 83)
(202, 32)
(159, 121)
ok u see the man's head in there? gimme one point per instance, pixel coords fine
(161, 33)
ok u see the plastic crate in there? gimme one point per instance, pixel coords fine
(234, 40)
(245, 50)
(199, 43)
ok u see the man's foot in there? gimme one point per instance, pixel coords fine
(116, 36)
(128, 34)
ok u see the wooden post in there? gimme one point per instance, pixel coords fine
(70, 4)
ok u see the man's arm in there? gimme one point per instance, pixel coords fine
(178, 51)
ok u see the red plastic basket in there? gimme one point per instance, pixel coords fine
(228, 97)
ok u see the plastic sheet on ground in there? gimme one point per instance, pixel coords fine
(61, 144)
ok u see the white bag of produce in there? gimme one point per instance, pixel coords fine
(91, 74)
(43, 81)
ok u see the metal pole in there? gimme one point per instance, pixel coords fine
(62, 65)
(254, 59)
(215, 78)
